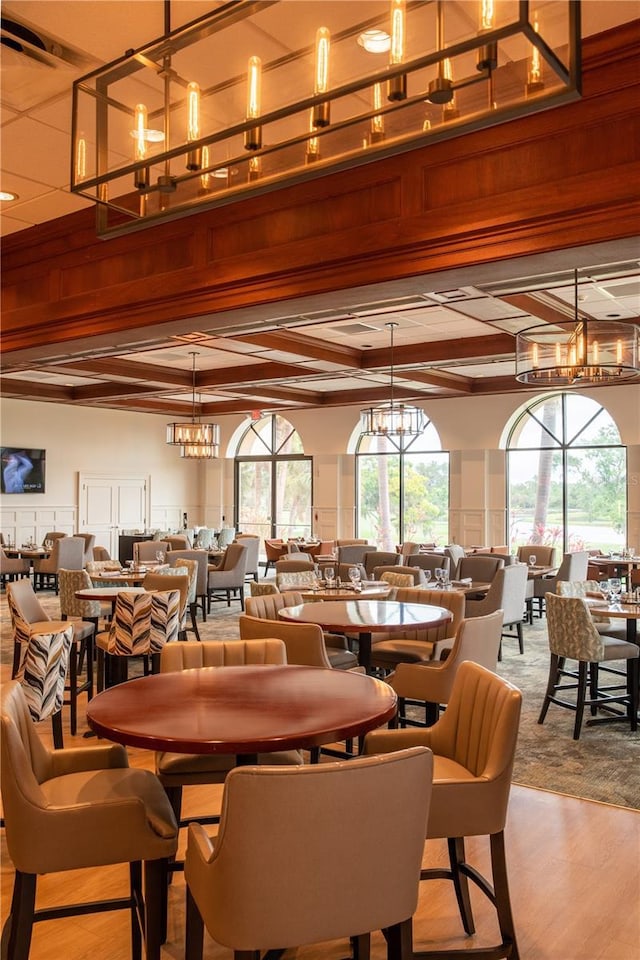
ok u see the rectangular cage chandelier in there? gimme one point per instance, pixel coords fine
(259, 94)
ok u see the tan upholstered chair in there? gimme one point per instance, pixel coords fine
(353, 552)
(262, 588)
(431, 682)
(429, 563)
(573, 636)
(545, 555)
(228, 577)
(304, 641)
(573, 567)
(274, 550)
(414, 646)
(379, 558)
(100, 553)
(71, 809)
(67, 552)
(473, 747)
(294, 565)
(178, 770)
(408, 549)
(144, 550)
(12, 568)
(315, 873)
(412, 575)
(42, 646)
(89, 541)
(252, 543)
(179, 541)
(266, 608)
(507, 593)
(481, 567)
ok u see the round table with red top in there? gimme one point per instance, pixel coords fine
(244, 710)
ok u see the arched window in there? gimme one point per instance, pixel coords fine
(566, 475)
(402, 489)
(273, 480)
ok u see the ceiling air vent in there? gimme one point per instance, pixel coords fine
(35, 65)
(354, 329)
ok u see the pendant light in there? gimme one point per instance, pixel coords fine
(197, 440)
(392, 419)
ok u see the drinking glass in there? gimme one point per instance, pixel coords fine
(329, 574)
(532, 560)
(354, 576)
(441, 575)
(48, 545)
(615, 586)
(160, 556)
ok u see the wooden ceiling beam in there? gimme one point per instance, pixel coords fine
(467, 348)
(303, 346)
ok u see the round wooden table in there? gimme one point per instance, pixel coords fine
(241, 710)
(366, 617)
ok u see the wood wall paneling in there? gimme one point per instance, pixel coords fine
(556, 179)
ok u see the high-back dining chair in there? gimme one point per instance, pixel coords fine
(573, 636)
(144, 550)
(315, 872)
(13, 568)
(337, 650)
(507, 593)
(473, 746)
(480, 566)
(178, 770)
(252, 543)
(431, 682)
(182, 577)
(41, 640)
(201, 558)
(228, 577)
(414, 646)
(379, 558)
(142, 624)
(573, 567)
(67, 552)
(72, 809)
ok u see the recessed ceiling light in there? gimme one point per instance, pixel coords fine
(6, 195)
(375, 41)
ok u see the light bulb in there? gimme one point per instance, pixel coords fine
(253, 136)
(194, 157)
(535, 359)
(534, 72)
(255, 168)
(377, 121)
(205, 179)
(81, 158)
(141, 176)
(321, 111)
(312, 152)
(397, 87)
(619, 352)
(487, 54)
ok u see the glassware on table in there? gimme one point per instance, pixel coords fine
(615, 588)
(532, 560)
(440, 574)
(160, 556)
(354, 576)
(48, 544)
(329, 576)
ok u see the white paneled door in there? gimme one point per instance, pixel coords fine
(108, 505)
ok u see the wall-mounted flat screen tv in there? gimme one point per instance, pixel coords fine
(22, 471)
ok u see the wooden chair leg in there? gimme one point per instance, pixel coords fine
(194, 940)
(16, 934)
(137, 909)
(400, 941)
(56, 723)
(502, 898)
(582, 690)
(193, 609)
(361, 947)
(155, 889)
(73, 688)
(551, 682)
(460, 882)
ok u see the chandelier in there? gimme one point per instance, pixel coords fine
(197, 440)
(392, 419)
(251, 97)
(577, 351)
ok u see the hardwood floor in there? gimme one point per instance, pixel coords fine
(573, 864)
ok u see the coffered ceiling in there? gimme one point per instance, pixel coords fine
(455, 330)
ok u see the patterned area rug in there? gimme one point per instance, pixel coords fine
(603, 765)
